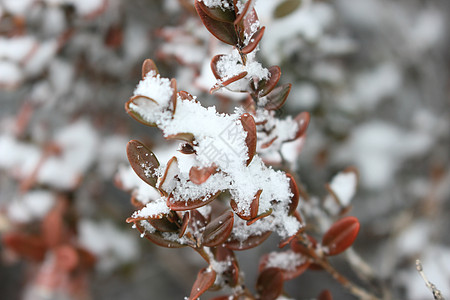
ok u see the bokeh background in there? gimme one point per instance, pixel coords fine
(374, 75)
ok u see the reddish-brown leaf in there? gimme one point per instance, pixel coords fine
(302, 120)
(260, 216)
(142, 161)
(296, 194)
(27, 246)
(269, 284)
(228, 81)
(249, 126)
(167, 182)
(183, 136)
(67, 257)
(325, 295)
(251, 242)
(199, 175)
(187, 148)
(173, 99)
(300, 247)
(254, 41)
(147, 66)
(287, 274)
(266, 86)
(190, 203)
(214, 62)
(218, 13)
(341, 235)
(254, 206)
(186, 96)
(218, 230)
(277, 97)
(141, 101)
(157, 238)
(223, 31)
(241, 16)
(205, 279)
(164, 225)
(184, 224)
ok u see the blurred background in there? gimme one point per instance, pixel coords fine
(374, 75)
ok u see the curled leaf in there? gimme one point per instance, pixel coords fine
(295, 194)
(254, 41)
(289, 273)
(173, 99)
(214, 68)
(147, 66)
(223, 31)
(249, 126)
(168, 180)
(164, 225)
(184, 224)
(183, 136)
(302, 120)
(205, 279)
(144, 103)
(228, 81)
(269, 284)
(142, 161)
(218, 230)
(341, 235)
(260, 216)
(27, 246)
(277, 97)
(243, 13)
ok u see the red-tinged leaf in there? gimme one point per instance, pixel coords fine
(190, 204)
(249, 22)
(186, 96)
(231, 274)
(302, 120)
(228, 81)
(286, 241)
(225, 297)
(251, 242)
(325, 295)
(249, 126)
(266, 86)
(254, 206)
(277, 97)
(200, 175)
(296, 194)
(254, 41)
(158, 239)
(142, 102)
(182, 136)
(24, 245)
(287, 274)
(214, 62)
(168, 180)
(218, 13)
(269, 284)
(66, 258)
(269, 143)
(205, 279)
(143, 161)
(164, 225)
(86, 258)
(241, 16)
(197, 220)
(302, 248)
(218, 230)
(52, 227)
(239, 212)
(173, 99)
(223, 31)
(341, 235)
(187, 149)
(147, 66)
(259, 217)
(184, 224)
